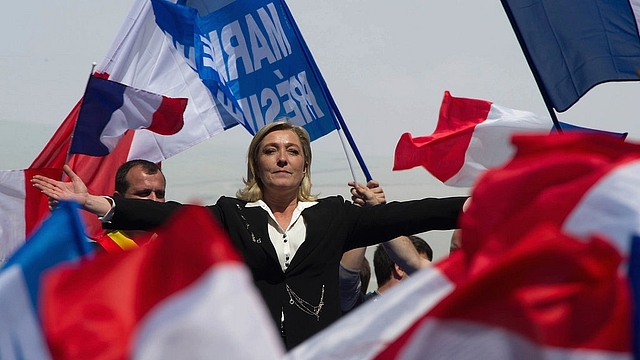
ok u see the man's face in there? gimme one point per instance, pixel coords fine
(144, 186)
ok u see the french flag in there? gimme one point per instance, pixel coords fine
(471, 136)
(585, 184)
(60, 239)
(15, 189)
(143, 57)
(534, 299)
(186, 294)
(371, 327)
(547, 238)
(109, 109)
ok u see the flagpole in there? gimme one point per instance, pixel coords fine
(536, 76)
(93, 67)
(341, 123)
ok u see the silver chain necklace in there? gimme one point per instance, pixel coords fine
(304, 305)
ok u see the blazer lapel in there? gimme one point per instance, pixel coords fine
(257, 229)
(314, 235)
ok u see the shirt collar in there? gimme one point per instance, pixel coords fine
(301, 205)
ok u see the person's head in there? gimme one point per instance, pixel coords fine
(456, 241)
(423, 248)
(384, 268)
(278, 160)
(365, 276)
(140, 179)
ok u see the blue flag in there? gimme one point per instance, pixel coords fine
(60, 238)
(574, 45)
(251, 56)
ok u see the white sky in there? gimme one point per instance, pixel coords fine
(387, 65)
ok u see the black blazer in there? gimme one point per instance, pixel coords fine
(333, 227)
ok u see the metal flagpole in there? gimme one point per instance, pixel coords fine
(93, 66)
(325, 90)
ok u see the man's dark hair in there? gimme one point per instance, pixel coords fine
(382, 265)
(365, 276)
(422, 246)
(148, 167)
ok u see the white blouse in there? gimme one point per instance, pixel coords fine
(286, 241)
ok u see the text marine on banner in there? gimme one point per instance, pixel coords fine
(253, 61)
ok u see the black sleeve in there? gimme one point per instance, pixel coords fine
(140, 214)
(380, 223)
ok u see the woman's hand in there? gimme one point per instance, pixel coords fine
(369, 195)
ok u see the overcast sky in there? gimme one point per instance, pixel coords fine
(387, 64)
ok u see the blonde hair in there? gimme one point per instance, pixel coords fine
(253, 185)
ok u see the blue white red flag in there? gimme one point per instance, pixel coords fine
(253, 59)
(367, 330)
(572, 46)
(15, 189)
(543, 243)
(534, 300)
(109, 109)
(130, 306)
(144, 57)
(584, 184)
(60, 239)
(472, 136)
(141, 56)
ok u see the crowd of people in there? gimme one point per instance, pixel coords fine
(305, 253)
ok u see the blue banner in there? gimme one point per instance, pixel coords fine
(250, 56)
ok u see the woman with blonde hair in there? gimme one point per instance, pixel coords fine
(291, 240)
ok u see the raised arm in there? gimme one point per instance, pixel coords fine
(369, 195)
(352, 260)
(403, 253)
(75, 190)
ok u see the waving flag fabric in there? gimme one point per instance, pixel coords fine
(585, 184)
(534, 301)
(19, 214)
(543, 243)
(152, 58)
(142, 57)
(184, 295)
(60, 239)
(109, 109)
(574, 45)
(251, 57)
(367, 330)
(472, 136)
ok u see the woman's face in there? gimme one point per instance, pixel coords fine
(281, 165)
